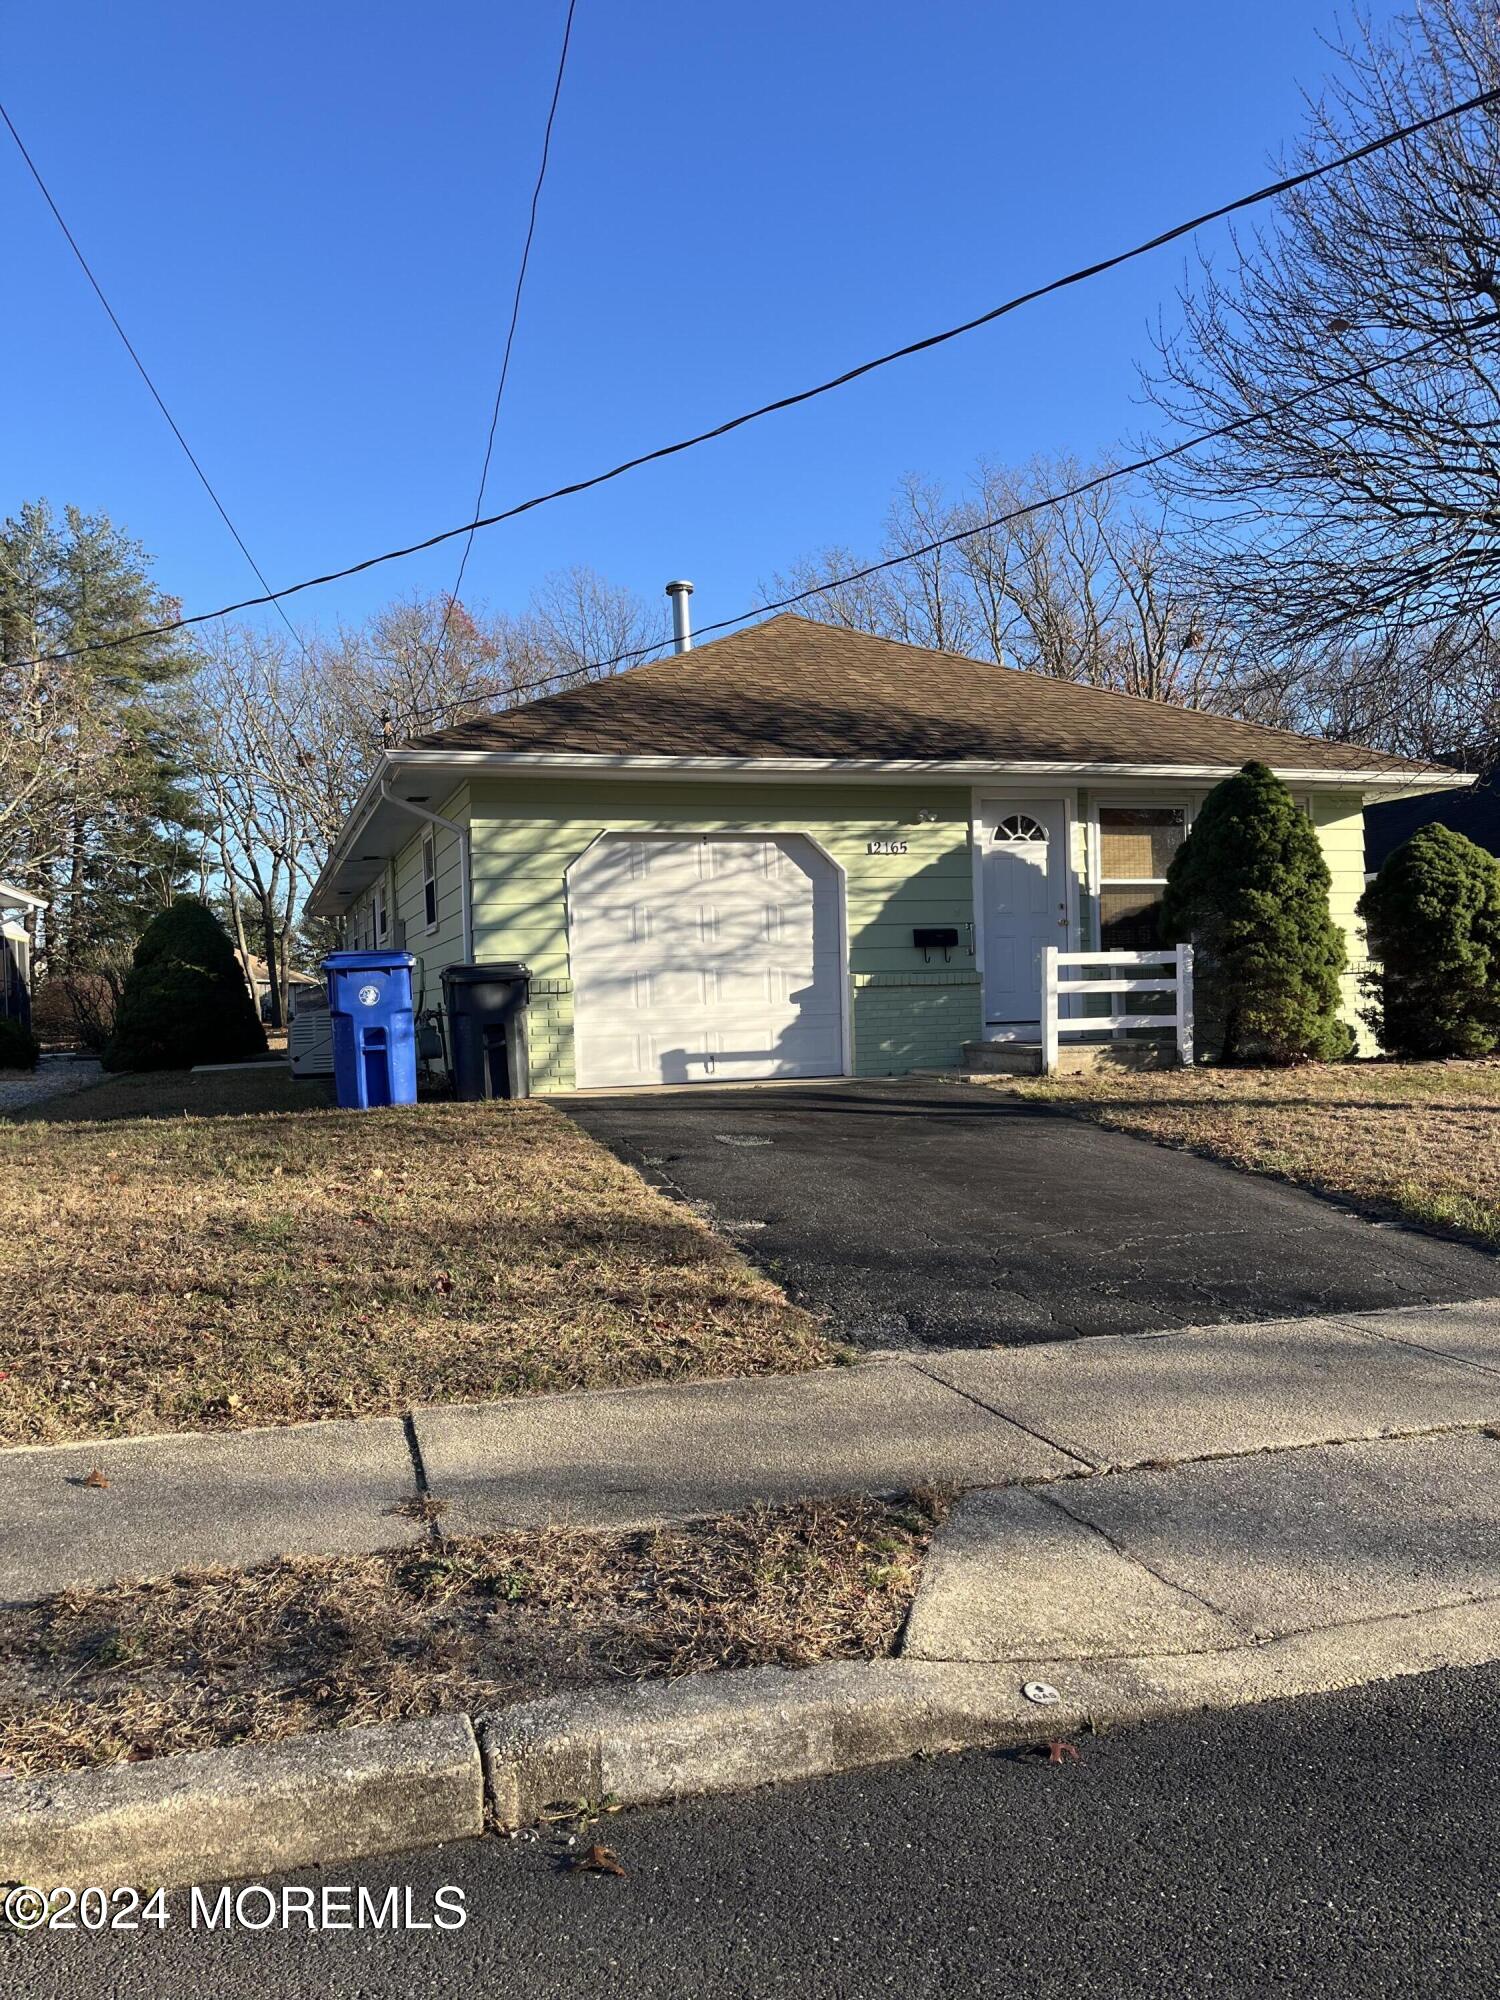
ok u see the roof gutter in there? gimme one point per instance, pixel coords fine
(465, 883)
(354, 825)
(827, 770)
(14, 898)
(917, 770)
(378, 792)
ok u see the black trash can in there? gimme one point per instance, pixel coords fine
(486, 1009)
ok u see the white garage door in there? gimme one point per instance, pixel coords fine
(705, 958)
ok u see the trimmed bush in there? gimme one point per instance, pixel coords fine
(1433, 918)
(19, 1048)
(185, 999)
(1248, 889)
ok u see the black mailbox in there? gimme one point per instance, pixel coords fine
(934, 937)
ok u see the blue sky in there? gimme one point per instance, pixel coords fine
(309, 217)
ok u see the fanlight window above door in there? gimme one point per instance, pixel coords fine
(1018, 828)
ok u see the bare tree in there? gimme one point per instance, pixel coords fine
(390, 680)
(250, 702)
(286, 740)
(579, 627)
(1353, 341)
(1090, 589)
(927, 601)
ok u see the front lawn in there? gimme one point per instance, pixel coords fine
(231, 1656)
(1415, 1141)
(196, 1252)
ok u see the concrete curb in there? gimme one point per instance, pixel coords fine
(248, 1810)
(769, 1725)
(336, 1797)
(732, 1731)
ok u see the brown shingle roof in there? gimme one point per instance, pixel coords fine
(793, 687)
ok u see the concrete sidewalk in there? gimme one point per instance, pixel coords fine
(1004, 1418)
(1224, 1557)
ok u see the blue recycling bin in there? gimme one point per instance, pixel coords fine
(374, 1035)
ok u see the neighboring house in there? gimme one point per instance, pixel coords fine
(1475, 813)
(719, 865)
(258, 979)
(15, 951)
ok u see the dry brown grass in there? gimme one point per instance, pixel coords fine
(218, 1251)
(196, 1662)
(1416, 1141)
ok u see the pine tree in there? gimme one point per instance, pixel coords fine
(1433, 915)
(185, 999)
(1248, 889)
(92, 795)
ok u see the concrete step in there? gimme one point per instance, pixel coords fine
(1003, 1058)
(1074, 1058)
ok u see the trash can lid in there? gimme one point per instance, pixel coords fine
(368, 961)
(481, 975)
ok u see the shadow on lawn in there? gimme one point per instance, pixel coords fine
(268, 1087)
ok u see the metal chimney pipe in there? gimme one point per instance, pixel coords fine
(682, 620)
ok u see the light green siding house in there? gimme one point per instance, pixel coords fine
(803, 851)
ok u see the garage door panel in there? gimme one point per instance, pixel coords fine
(753, 994)
(706, 957)
(681, 991)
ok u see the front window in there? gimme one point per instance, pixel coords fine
(429, 881)
(1136, 845)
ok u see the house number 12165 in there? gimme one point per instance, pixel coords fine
(885, 847)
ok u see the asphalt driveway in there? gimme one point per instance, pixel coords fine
(919, 1213)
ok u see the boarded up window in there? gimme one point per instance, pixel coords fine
(1127, 919)
(1136, 843)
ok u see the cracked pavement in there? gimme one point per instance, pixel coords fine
(919, 1213)
(1219, 1555)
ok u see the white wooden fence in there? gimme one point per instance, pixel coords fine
(1134, 976)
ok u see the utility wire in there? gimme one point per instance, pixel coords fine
(271, 597)
(1284, 186)
(1089, 485)
(510, 337)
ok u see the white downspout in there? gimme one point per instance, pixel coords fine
(466, 900)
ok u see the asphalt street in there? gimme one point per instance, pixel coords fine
(1337, 1846)
(919, 1213)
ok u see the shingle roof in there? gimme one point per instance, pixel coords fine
(793, 687)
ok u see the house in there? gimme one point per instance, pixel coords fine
(258, 979)
(1475, 813)
(15, 951)
(803, 851)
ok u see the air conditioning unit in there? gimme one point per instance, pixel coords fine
(309, 1039)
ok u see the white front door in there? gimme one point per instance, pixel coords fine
(709, 957)
(1025, 888)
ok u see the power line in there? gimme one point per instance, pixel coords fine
(515, 314)
(271, 597)
(1283, 186)
(1089, 485)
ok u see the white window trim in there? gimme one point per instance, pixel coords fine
(380, 915)
(429, 881)
(1124, 801)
